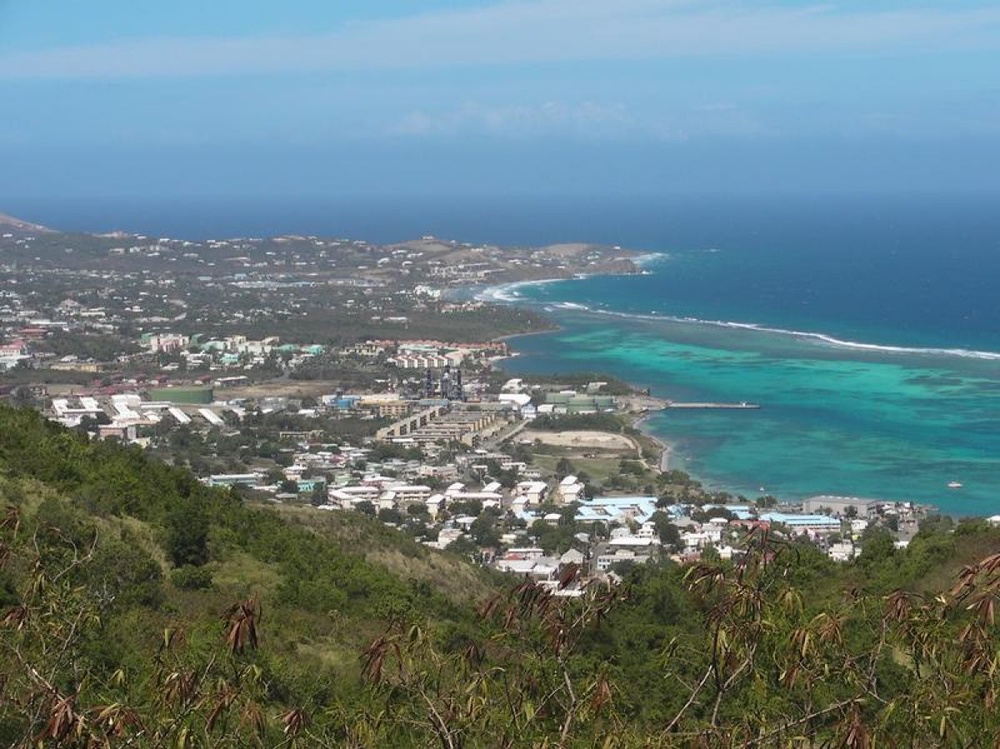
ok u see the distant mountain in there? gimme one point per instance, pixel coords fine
(8, 223)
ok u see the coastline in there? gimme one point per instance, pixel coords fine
(500, 294)
(666, 448)
(556, 327)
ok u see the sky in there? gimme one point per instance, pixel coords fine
(227, 98)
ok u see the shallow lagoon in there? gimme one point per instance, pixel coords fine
(834, 420)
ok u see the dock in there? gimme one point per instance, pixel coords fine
(733, 406)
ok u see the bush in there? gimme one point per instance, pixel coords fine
(189, 577)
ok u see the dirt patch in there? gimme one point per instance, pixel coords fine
(279, 388)
(586, 440)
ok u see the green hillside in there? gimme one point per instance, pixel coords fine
(117, 549)
(140, 608)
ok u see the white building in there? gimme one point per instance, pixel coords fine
(569, 490)
(533, 492)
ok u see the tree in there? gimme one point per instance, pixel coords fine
(767, 501)
(484, 531)
(564, 467)
(877, 547)
(703, 516)
(390, 515)
(318, 496)
(668, 533)
(187, 534)
(472, 507)
(92, 424)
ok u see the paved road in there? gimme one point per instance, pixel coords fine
(493, 442)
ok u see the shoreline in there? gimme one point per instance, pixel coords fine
(666, 448)
(495, 295)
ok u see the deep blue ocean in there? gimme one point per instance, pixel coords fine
(868, 327)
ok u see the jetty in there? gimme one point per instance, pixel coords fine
(708, 405)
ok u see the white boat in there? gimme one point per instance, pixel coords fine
(954, 485)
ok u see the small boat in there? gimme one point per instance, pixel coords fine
(954, 485)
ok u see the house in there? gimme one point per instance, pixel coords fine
(310, 485)
(516, 401)
(571, 556)
(233, 479)
(841, 552)
(529, 561)
(616, 509)
(118, 431)
(435, 503)
(533, 492)
(612, 556)
(447, 536)
(570, 490)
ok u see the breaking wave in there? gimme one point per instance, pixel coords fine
(811, 335)
(512, 294)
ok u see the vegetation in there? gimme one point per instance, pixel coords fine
(140, 608)
(601, 422)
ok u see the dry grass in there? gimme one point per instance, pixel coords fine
(282, 388)
(598, 469)
(395, 551)
(243, 575)
(453, 578)
(582, 440)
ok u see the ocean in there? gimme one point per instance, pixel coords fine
(866, 326)
(869, 332)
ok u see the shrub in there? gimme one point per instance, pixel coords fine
(189, 577)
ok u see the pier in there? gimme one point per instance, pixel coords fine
(741, 405)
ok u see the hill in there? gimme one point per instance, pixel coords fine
(132, 548)
(141, 608)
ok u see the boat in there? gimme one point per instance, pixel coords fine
(954, 485)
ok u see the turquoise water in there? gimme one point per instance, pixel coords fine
(879, 410)
(867, 329)
(835, 419)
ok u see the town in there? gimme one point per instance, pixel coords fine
(339, 376)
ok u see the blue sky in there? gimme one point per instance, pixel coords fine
(504, 97)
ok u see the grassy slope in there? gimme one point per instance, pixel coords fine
(328, 583)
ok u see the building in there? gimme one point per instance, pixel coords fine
(385, 405)
(840, 505)
(167, 343)
(570, 490)
(532, 492)
(233, 479)
(803, 523)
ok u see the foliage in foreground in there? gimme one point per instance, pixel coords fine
(761, 670)
(113, 632)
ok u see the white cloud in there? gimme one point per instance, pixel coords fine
(528, 31)
(587, 119)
